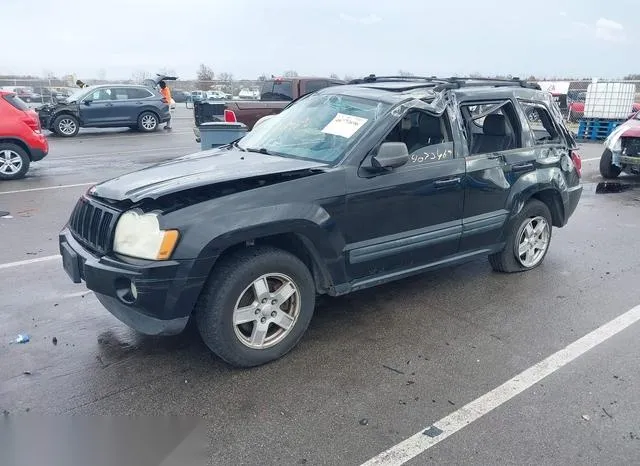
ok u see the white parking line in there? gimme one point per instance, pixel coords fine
(591, 159)
(46, 188)
(449, 425)
(195, 148)
(9, 265)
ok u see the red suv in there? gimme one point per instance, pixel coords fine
(21, 138)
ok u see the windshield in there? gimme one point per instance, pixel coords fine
(320, 127)
(77, 95)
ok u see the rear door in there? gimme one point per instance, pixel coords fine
(497, 158)
(137, 99)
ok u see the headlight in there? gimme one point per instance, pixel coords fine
(139, 235)
(617, 146)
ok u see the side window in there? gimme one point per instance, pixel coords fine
(120, 93)
(428, 137)
(541, 123)
(137, 93)
(312, 86)
(101, 94)
(491, 126)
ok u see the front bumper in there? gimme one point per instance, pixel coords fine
(629, 160)
(167, 291)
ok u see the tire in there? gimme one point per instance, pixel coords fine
(66, 126)
(14, 162)
(535, 213)
(148, 122)
(608, 170)
(232, 284)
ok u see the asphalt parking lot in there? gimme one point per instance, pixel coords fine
(375, 367)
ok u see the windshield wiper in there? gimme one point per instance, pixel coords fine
(261, 150)
(237, 146)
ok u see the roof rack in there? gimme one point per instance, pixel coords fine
(372, 78)
(452, 82)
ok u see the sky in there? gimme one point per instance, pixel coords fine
(119, 38)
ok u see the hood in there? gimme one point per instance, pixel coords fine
(196, 170)
(628, 126)
(54, 105)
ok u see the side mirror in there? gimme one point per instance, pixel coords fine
(87, 101)
(390, 155)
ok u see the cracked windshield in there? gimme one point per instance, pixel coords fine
(319, 233)
(320, 127)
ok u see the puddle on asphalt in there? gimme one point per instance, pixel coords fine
(607, 187)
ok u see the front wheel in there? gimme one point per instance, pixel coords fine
(66, 126)
(528, 240)
(607, 169)
(14, 162)
(147, 122)
(256, 306)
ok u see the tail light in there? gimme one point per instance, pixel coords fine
(230, 116)
(32, 121)
(577, 162)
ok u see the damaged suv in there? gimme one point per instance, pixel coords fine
(622, 150)
(348, 188)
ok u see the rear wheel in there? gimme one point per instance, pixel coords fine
(147, 122)
(528, 240)
(257, 305)
(66, 126)
(607, 169)
(14, 162)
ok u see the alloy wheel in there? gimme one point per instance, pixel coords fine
(533, 241)
(266, 311)
(149, 122)
(67, 126)
(10, 162)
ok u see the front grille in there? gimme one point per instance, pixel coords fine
(93, 225)
(631, 146)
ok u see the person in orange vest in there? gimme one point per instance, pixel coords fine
(166, 93)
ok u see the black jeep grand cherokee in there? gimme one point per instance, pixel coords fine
(348, 188)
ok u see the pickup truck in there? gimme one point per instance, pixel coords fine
(275, 94)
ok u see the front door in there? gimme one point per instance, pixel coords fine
(410, 216)
(96, 109)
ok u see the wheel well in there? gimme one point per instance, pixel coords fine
(554, 202)
(294, 244)
(18, 143)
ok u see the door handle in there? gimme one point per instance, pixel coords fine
(108, 105)
(446, 182)
(522, 167)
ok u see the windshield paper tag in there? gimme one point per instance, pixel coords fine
(344, 125)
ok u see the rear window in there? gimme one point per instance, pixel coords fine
(277, 90)
(16, 102)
